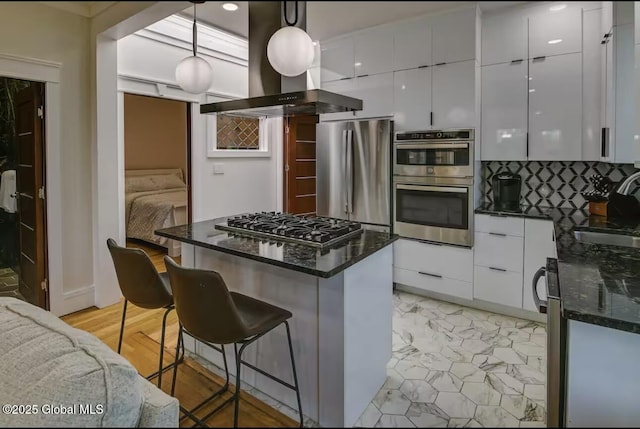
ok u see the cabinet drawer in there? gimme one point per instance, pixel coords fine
(435, 284)
(446, 261)
(499, 224)
(499, 251)
(501, 287)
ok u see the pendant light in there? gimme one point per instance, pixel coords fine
(194, 73)
(290, 50)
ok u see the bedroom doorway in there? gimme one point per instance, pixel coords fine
(23, 236)
(157, 147)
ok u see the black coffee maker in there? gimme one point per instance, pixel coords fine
(506, 190)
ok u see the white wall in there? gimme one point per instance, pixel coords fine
(29, 29)
(247, 184)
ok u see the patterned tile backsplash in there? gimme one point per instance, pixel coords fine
(554, 183)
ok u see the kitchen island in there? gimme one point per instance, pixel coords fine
(341, 300)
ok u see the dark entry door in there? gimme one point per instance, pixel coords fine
(300, 165)
(29, 111)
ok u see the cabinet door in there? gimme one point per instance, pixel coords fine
(454, 36)
(555, 108)
(374, 51)
(345, 87)
(538, 246)
(555, 32)
(497, 286)
(376, 92)
(337, 59)
(504, 38)
(592, 61)
(412, 44)
(453, 95)
(412, 99)
(504, 112)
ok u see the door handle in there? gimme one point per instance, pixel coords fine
(498, 234)
(502, 270)
(345, 191)
(349, 171)
(540, 303)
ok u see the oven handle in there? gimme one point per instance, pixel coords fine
(432, 188)
(433, 146)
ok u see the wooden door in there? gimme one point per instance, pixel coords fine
(300, 165)
(29, 111)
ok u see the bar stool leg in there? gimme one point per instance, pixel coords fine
(295, 375)
(175, 362)
(124, 315)
(237, 394)
(164, 328)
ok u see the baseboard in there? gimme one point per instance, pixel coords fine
(75, 300)
(479, 304)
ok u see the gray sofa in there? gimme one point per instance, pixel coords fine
(66, 377)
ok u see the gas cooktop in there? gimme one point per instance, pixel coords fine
(310, 230)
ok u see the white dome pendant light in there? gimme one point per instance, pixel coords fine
(290, 49)
(193, 73)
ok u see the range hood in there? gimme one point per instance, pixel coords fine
(271, 94)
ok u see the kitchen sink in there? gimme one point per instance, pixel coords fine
(606, 238)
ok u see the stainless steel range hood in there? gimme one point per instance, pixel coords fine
(271, 94)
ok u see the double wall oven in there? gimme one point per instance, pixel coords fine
(433, 185)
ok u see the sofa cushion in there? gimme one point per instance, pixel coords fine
(47, 363)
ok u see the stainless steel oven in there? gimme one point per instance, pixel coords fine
(434, 209)
(433, 186)
(444, 153)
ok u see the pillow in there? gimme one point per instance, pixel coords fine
(152, 183)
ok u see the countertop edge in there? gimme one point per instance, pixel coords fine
(316, 273)
(605, 322)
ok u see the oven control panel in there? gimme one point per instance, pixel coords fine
(466, 134)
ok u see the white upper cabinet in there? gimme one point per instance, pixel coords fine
(504, 112)
(454, 36)
(374, 51)
(337, 60)
(504, 38)
(555, 32)
(555, 108)
(412, 99)
(592, 64)
(376, 93)
(412, 44)
(453, 95)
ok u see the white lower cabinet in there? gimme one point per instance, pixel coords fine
(498, 286)
(438, 268)
(498, 250)
(429, 282)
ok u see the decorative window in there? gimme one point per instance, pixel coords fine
(237, 133)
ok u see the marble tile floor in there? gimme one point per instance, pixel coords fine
(9, 283)
(454, 366)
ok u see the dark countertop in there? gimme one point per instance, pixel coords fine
(599, 284)
(298, 257)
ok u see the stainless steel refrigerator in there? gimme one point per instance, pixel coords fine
(353, 170)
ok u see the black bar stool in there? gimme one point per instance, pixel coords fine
(141, 284)
(211, 314)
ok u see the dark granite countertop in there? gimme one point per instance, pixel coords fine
(298, 257)
(599, 284)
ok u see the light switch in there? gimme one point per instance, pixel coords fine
(218, 168)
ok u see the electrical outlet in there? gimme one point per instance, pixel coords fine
(218, 168)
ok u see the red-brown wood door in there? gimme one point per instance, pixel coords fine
(29, 111)
(300, 165)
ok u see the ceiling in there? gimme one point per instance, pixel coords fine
(327, 19)
(88, 9)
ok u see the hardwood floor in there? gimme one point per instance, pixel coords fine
(141, 345)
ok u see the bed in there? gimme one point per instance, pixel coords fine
(155, 199)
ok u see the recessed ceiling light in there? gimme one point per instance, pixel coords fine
(554, 41)
(557, 7)
(231, 7)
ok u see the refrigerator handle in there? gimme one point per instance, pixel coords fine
(541, 305)
(350, 170)
(345, 168)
